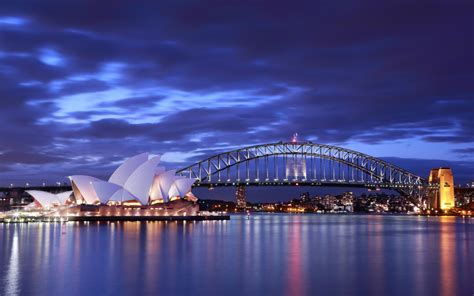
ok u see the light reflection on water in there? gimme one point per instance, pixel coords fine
(267, 254)
(12, 273)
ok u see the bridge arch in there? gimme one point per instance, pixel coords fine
(303, 163)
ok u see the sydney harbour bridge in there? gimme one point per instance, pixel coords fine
(301, 164)
(292, 164)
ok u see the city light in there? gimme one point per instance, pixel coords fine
(335, 139)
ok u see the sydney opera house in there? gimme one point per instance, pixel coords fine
(138, 188)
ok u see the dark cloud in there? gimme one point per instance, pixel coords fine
(134, 103)
(180, 125)
(449, 139)
(82, 86)
(194, 76)
(469, 150)
(13, 157)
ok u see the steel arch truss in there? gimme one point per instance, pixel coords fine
(301, 164)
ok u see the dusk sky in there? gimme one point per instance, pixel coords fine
(85, 85)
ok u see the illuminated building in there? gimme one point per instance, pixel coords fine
(442, 197)
(137, 182)
(241, 198)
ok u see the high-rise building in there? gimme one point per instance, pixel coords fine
(442, 197)
(241, 198)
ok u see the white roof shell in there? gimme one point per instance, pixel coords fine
(47, 199)
(173, 192)
(138, 178)
(107, 191)
(123, 172)
(159, 170)
(183, 186)
(122, 195)
(84, 185)
(162, 185)
(64, 196)
(140, 181)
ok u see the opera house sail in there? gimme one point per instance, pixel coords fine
(138, 179)
(138, 187)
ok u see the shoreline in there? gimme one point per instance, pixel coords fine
(115, 219)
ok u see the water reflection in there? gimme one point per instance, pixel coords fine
(447, 256)
(375, 254)
(268, 254)
(294, 270)
(13, 274)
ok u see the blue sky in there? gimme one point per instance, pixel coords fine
(85, 84)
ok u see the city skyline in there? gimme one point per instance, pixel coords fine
(236, 147)
(81, 92)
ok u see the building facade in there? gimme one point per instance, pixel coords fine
(443, 197)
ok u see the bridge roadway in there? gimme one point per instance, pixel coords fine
(374, 185)
(312, 183)
(295, 183)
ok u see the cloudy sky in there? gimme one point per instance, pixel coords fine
(85, 84)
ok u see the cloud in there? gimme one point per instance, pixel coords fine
(13, 157)
(182, 77)
(468, 150)
(134, 102)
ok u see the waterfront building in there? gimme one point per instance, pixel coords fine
(442, 197)
(139, 182)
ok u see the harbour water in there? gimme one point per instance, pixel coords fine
(265, 254)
